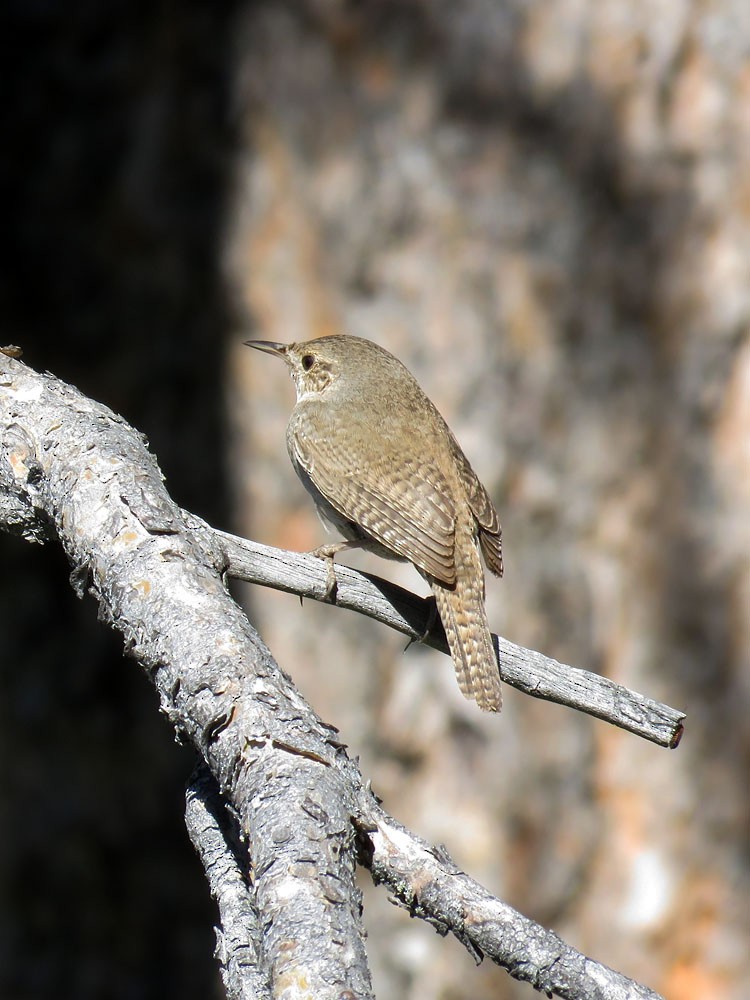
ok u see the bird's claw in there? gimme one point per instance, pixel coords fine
(327, 552)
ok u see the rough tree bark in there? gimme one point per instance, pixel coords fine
(279, 813)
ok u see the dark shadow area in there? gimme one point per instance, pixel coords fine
(117, 150)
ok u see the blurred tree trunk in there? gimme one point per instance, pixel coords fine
(543, 211)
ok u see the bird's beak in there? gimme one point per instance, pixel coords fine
(268, 346)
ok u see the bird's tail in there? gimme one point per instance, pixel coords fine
(464, 619)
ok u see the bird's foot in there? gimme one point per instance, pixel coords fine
(327, 552)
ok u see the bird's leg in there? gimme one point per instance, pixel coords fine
(327, 552)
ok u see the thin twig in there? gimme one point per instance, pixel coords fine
(524, 669)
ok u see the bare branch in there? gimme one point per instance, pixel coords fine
(78, 466)
(298, 799)
(524, 669)
(239, 936)
(426, 881)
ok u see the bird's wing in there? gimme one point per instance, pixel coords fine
(490, 532)
(408, 509)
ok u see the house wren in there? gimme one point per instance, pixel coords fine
(384, 468)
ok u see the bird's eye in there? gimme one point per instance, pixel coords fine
(308, 360)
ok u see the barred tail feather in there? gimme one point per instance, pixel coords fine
(464, 619)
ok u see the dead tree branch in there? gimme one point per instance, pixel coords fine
(71, 468)
(524, 669)
(426, 881)
(215, 837)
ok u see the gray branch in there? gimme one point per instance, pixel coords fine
(215, 837)
(427, 882)
(71, 468)
(79, 468)
(524, 669)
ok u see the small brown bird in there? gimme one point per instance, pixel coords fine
(384, 468)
